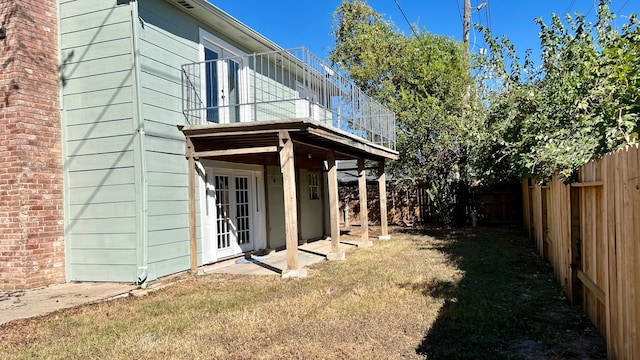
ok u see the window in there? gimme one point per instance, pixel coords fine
(314, 186)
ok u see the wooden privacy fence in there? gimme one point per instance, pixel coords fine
(589, 231)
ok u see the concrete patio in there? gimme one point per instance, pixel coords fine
(275, 262)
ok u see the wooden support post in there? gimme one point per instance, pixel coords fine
(267, 217)
(323, 191)
(334, 211)
(382, 187)
(192, 206)
(364, 210)
(287, 167)
(299, 206)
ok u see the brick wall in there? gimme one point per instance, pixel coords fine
(31, 193)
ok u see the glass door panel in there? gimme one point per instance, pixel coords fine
(243, 214)
(212, 84)
(224, 234)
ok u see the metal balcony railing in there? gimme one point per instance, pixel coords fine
(279, 85)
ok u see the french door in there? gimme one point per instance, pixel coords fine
(229, 214)
(222, 84)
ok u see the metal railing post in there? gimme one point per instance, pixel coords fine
(255, 89)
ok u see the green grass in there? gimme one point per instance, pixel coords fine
(473, 293)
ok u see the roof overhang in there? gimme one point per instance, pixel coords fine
(227, 25)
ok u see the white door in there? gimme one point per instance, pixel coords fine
(222, 85)
(230, 214)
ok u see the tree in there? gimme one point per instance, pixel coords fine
(582, 102)
(426, 81)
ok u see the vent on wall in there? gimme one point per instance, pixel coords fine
(185, 4)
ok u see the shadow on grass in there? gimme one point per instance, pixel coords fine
(507, 305)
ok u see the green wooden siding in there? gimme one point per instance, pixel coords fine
(105, 177)
(271, 92)
(101, 241)
(168, 39)
(101, 92)
(97, 92)
(97, 130)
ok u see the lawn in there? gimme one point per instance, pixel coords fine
(477, 293)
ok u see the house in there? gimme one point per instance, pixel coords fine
(144, 138)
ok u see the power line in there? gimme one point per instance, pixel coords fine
(406, 19)
(625, 4)
(460, 12)
(590, 9)
(573, 2)
(488, 15)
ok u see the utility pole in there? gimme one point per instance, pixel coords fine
(466, 23)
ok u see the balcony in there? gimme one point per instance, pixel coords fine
(287, 84)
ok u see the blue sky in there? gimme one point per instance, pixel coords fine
(294, 23)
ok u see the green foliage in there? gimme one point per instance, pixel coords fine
(581, 103)
(426, 81)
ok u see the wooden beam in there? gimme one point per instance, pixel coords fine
(382, 188)
(267, 217)
(587, 184)
(241, 151)
(591, 285)
(360, 144)
(356, 169)
(192, 207)
(287, 167)
(364, 210)
(218, 134)
(322, 148)
(271, 126)
(334, 211)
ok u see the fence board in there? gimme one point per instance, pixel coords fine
(538, 232)
(595, 229)
(632, 184)
(526, 210)
(612, 328)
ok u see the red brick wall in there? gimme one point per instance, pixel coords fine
(31, 192)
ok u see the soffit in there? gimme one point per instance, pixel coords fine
(226, 24)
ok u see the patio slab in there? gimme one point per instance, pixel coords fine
(34, 302)
(274, 263)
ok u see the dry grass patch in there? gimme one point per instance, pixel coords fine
(366, 307)
(471, 294)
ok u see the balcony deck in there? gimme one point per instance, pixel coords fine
(284, 87)
(256, 142)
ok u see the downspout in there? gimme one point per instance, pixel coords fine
(142, 249)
